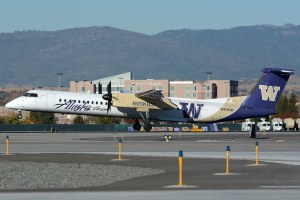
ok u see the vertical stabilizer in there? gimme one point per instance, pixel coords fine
(264, 96)
(267, 91)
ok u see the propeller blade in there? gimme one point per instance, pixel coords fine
(108, 106)
(108, 97)
(109, 88)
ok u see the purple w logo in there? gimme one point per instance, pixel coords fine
(193, 111)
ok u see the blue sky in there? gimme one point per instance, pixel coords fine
(145, 16)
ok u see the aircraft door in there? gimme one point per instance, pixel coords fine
(50, 101)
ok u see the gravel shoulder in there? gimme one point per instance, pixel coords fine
(96, 172)
(31, 175)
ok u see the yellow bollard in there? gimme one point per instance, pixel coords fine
(120, 149)
(256, 150)
(7, 138)
(227, 159)
(180, 159)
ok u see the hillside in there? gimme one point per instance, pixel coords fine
(34, 57)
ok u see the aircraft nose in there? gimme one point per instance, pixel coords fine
(12, 104)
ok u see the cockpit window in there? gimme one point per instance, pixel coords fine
(30, 95)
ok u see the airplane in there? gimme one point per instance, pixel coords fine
(153, 106)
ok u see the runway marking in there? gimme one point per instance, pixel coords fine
(180, 187)
(225, 174)
(117, 160)
(213, 155)
(280, 187)
(253, 165)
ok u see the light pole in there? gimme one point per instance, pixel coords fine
(226, 82)
(84, 85)
(76, 84)
(120, 78)
(208, 86)
(59, 75)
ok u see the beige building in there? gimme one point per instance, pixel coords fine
(137, 86)
(180, 89)
(82, 86)
(186, 89)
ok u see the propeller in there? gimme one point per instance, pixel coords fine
(108, 97)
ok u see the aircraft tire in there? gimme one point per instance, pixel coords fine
(19, 116)
(137, 126)
(147, 127)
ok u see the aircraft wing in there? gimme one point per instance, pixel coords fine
(156, 98)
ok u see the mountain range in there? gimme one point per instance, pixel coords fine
(34, 57)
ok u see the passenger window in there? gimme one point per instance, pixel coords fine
(59, 100)
(83, 101)
(92, 102)
(105, 103)
(78, 101)
(96, 102)
(65, 100)
(87, 102)
(101, 102)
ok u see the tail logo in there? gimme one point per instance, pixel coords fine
(269, 93)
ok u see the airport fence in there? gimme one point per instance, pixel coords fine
(112, 127)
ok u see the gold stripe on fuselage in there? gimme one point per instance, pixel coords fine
(229, 107)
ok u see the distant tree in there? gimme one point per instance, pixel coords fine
(13, 120)
(78, 120)
(104, 120)
(129, 121)
(2, 120)
(292, 100)
(26, 121)
(286, 106)
(42, 118)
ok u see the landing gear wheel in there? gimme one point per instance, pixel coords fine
(137, 126)
(20, 116)
(147, 127)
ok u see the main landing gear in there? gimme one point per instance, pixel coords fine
(147, 126)
(137, 126)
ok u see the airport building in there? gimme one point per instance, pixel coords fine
(100, 85)
(182, 89)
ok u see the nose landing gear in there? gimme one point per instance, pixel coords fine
(20, 116)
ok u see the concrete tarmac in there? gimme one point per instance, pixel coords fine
(204, 160)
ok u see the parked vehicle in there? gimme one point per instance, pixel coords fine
(297, 124)
(289, 124)
(277, 124)
(246, 125)
(263, 125)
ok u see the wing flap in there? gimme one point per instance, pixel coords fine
(156, 98)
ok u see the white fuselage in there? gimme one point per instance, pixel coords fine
(94, 104)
